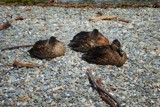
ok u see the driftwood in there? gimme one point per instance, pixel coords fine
(19, 18)
(103, 18)
(5, 25)
(73, 5)
(109, 18)
(15, 47)
(107, 97)
(123, 20)
(20, 64)
(25, 97)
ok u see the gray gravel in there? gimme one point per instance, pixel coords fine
(137, 82)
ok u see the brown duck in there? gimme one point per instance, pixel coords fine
(84, 41)
(106, 55)
(45, 49)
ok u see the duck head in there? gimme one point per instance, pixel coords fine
(116, 46)
(52, 40)
(99, 38)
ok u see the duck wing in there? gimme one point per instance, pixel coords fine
(99, 51)
(39, 48)
(102, 55)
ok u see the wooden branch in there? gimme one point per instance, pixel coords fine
(19, 18)
(109, 18)
(101, 89)
(25, 97)
(5, 25)
(20, 64)
(15, 47)
(123, 20)
(103, 96)
(103, 18)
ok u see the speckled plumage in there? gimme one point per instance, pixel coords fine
(84, 41)
(49, 48)
(106, 55)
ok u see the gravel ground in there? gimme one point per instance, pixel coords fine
(62, 81)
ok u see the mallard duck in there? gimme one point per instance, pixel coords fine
(106, 55)
(84, 41)
(49, 48)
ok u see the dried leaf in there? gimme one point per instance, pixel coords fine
(103, 18)
(24, 97)
(19, 18)
(5, 25)
(125, 80)
(20, 64)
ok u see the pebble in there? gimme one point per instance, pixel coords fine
(140, 71)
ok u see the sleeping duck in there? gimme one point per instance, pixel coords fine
(106, 55)
(45, 49)
(84, 41)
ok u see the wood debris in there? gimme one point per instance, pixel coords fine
(58, 88)
(15, 47)
(99, 13)
(21, 83)
(109, 18)
(123, 20)
(103, 18)
(107, 97)
(113, 89)
(19, 18)
(5, 25)
(25, 97)
(20, 64)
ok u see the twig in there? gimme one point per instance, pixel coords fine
(7, 71)
(103, 96)
(100, 89)
(20, 64)
(40, 70)
(15, 47)
(25, 97)
(5, 25)
(19, 18)
(123, 20)
(21, 83)
(57, 88)
(103, 18)
(109, 18)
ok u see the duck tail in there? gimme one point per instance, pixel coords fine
(87, 58)
(72, 44)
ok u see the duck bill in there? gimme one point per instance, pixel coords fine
(121, 52)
